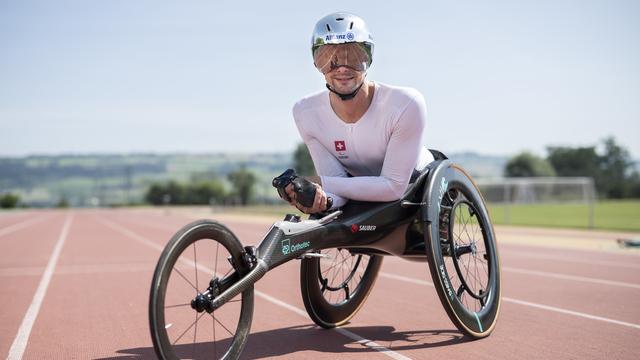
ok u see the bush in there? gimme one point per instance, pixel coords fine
(173, 193)
(528, 165)
(9, 201)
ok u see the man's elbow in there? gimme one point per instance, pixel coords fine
(396, 191)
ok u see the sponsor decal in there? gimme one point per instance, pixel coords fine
(287, 248)
(355, 228)
(443, 189)
(347, 36)
(445, 280)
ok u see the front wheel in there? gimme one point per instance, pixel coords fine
(463, 254)
(199, 262)
(336, 286)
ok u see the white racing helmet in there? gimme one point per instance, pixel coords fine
(341, 28)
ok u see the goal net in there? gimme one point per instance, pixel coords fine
(539, 190)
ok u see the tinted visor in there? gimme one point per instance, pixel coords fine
(331, 56)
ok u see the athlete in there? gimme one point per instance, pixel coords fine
(365, 137)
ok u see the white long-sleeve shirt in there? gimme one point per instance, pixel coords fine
(379, 151)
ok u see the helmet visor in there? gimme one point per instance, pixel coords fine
(332, 56)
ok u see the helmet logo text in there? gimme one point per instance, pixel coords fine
(347, 36)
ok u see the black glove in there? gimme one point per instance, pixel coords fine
(305, 190)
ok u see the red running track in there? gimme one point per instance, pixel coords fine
(75, 285)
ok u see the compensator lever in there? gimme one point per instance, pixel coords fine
(406, 203)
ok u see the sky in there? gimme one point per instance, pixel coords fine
(499, 77)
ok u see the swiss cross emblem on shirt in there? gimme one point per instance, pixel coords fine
(340, 146)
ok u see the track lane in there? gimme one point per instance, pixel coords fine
(410, 321)
(23, 257)
(89, 314)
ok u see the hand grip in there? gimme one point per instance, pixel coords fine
(305, 191)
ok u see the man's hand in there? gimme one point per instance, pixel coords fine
(319, 202)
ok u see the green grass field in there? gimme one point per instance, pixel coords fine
(608, 215)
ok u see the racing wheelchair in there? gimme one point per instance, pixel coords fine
(202, 294)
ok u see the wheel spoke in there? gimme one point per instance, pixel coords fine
(215, 350)
(221, 324)
(195, 265)
(189, 328)
(175, 306)
(185, 278)
(215, 265)
(195, 337)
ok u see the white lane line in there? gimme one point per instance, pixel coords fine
(569, 312)
(359, 339)
(20, 343)
(524, 303)
(21, 225)
(570, 277)
(131, 234)
(557, 276)
(573, 260)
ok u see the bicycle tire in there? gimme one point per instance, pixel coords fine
(449, 257)
(323, 311)
(205, 232)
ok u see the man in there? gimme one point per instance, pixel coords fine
(365, 137)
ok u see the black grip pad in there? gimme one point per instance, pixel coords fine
(305, 191)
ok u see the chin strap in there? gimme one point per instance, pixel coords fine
(345, 97)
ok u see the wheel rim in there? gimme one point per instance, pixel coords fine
(191, 334)
(340, 275)
(464, 248)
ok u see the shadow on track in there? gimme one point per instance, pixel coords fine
(293, 339)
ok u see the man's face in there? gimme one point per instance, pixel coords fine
(344, 66)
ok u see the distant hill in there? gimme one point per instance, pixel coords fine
(481, 165)
(115, 179)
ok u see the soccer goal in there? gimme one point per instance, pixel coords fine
(540, 190)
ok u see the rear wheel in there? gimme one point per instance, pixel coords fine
(336, 286)
(463, 255)
(199, 262)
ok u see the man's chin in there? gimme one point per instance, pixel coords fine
(345, 89)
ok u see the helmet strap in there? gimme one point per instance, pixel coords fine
(345, 97)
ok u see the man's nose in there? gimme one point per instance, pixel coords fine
(342, 68)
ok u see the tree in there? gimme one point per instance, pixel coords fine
(302, 162)
(9, 201)
(526, 164)
(202, 193)
(612, 170)
(63, 203)
(155, 194)
(615, 167)
(243, 182)
(172, 191)
(581, 161)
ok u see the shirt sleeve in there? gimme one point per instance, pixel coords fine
(324, 162)
(327, 166)
(400, 159)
